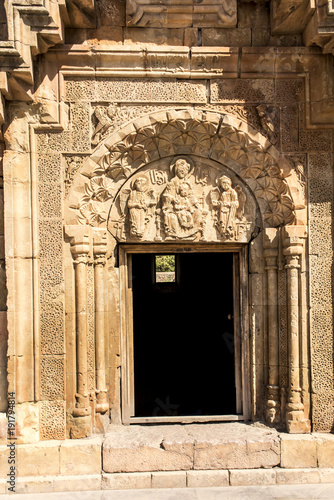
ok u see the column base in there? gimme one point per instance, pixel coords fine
(298, 426)
(101, 407)
(81, 427)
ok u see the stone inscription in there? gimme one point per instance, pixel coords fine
(182, 199)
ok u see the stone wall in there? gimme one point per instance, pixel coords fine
(117, 78)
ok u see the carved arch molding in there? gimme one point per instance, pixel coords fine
(221, 143)
(188, 175)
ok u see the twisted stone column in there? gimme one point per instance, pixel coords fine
(270, 243)
(293, 248)
(99, 251)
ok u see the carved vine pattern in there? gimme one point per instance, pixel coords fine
(172, 136)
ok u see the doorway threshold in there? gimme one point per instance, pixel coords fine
(186, 419)
(230, 445)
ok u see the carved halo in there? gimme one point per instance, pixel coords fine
(140, 176)
(218, 179)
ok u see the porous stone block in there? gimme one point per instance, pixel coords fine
(207, 478)
(325, 450)
(140, 449)
(235, 447)
(40, 459)
(154, 36)
(297, 476)
(252, 477)
(126, 481)
(81, 456)
(298, 451)
(235, 37)
(169, 479)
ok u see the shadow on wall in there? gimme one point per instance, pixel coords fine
(3, 23)
(3, 297)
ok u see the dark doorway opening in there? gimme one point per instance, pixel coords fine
(184, 337)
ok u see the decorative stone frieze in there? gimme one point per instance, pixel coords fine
(172, 14)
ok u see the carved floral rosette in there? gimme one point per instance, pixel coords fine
(181, 199)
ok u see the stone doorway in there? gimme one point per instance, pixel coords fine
(182, 350)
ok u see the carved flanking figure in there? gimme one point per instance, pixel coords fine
(141, 205)
(225, 201)
(183, 217)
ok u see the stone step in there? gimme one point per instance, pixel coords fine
(218, 446)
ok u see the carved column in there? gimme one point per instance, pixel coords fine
(293, 248)
(99, 251)
(270, 243)
(80, 247)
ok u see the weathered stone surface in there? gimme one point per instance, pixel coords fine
(297, 476)
(233, 447)
(207, 479)
(212, 446)
(169, 479)
(41, 459)
(126, 481)
(252, 477)
(87, 453)
(88, 482)
(325, 449)
(142, 449)
(298, 451)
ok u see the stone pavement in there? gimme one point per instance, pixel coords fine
(291, 492)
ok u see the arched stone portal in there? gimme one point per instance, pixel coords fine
(195, 179)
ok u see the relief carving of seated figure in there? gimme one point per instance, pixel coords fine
(183, 217)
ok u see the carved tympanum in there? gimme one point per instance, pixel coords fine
(208, 136)
(172, 203)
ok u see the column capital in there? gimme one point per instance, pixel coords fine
(270, 238)
(100, 242)
(80, 238)
(293, 239)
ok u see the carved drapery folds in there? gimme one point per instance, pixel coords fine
(182, 199)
